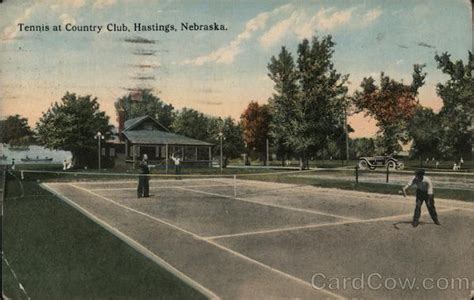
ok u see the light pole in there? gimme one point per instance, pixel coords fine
(221, 136)
(98, 137)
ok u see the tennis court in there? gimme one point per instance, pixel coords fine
(237, 238)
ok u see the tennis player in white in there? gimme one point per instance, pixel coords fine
(424, 192)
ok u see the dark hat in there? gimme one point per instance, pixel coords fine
(420, 172)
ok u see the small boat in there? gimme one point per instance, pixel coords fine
(37, 159)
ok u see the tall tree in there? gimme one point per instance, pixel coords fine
(283, 72)
(15, 129)
(232, 139)
(255, 121)
(71, 125)
(457, 94)
(194, 124)
(392, 104)
(144, 103)
(317, 94)
(425, 130)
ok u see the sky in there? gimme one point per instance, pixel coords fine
(215, 72)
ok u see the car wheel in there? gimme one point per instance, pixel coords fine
(392, 165)
(363, 165)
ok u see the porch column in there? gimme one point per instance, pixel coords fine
(126, 149)
(196, 154)
(133, 156)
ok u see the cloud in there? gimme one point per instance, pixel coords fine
(62, 6)
(227, 54)
(278, 31)
(100, 4)
(327, 19)
(66, 18)
(75, 3)
(304, 25)
(60, 9)
(371, 16)
(11, 32)
(287, 20)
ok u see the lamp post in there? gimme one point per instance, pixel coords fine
(221, 136)
(99, 137)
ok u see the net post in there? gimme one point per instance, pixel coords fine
(386, 179)
(22, 175)
(357, 173)
(5, 186)
(235, 185)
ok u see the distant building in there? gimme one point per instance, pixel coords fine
(145, 135)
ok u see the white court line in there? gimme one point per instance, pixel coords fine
(20, 285)
(271, 205)
(316, 226)
(385, 197)
(167, 187)
(307, 284)
(134, 244)
(172, 179)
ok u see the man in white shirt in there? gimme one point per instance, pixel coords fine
(177, 165)
(424, 192)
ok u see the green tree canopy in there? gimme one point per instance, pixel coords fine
(71, 125)
(232, 139)
(308, 102)
(15, 129)
(282, 71)
(425, 130)
(194, 124)
(143, 103)
(362, 147)
(457, 94)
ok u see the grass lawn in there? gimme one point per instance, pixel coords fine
(57, 253)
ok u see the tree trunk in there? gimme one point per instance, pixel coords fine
(247, 158)
(226, 161)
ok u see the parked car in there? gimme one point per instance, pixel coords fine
(380, 161)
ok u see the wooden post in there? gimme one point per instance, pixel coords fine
(133, 156)
(210, 157)
(357, 174)
(166, 158)
(196, 153)
(267, 146)
(388, 171)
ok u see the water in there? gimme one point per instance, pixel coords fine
(58, 156)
